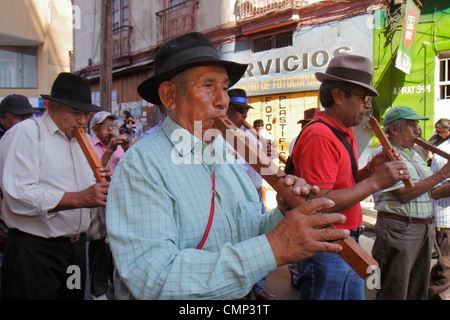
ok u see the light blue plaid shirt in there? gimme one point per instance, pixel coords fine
(157, 214)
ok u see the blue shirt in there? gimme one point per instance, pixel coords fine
(158, 207)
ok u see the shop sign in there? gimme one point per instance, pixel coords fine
(292, 68)
(292, 73)
(405, 49)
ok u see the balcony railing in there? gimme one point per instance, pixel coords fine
(176, 20)
(253, 8)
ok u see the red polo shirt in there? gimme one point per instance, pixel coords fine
(321, 159)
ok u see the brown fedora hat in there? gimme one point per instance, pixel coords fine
(350, 68)
(308, 115)
(182, 53)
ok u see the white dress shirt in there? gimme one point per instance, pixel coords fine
(38, 164)
(441, 207)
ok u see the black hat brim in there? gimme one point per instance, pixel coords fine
(148, 89)
(86, 107)
(241, 105)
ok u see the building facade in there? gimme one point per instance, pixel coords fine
(284, 42)
(281, 78)
(36, 38)
(424, 84)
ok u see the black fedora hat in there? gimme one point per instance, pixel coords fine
(238, 98)
(182, 53)
(73, 91)
(350, 68)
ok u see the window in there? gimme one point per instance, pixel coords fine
(173, 2)
(121, 28)
(121, 13)
(444, 78)
(272, 42)
(18, 67)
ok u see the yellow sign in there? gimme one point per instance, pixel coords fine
(280, 114)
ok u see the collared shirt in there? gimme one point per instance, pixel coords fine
(322, 160)
(419, 207)
(441, 207)
(38, 164)
(100, 148)
(158, 207)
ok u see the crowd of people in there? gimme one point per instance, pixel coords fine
(181, 215)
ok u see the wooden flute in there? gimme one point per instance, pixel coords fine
(352, 253)
(89, 153)
(386, 144)
(432, 148)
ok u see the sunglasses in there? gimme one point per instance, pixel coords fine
(365, 98)
(240, 110)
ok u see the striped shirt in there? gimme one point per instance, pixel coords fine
(419, 207)
(441, 207)
(158, 207)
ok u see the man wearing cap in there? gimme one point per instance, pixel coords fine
(259, 127)
(184, 220)
(326, 155)
(13, 109)
(109, 148)
(47, 186)
(404, 230)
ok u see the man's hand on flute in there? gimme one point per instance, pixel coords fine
(95, 195)
(391, 171)
(299, 188)
(91, 197)
(304, 232)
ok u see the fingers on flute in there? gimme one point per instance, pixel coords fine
(305, 232)
(300, 186)
(401, 170)
(395, 153)
(312, 206)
